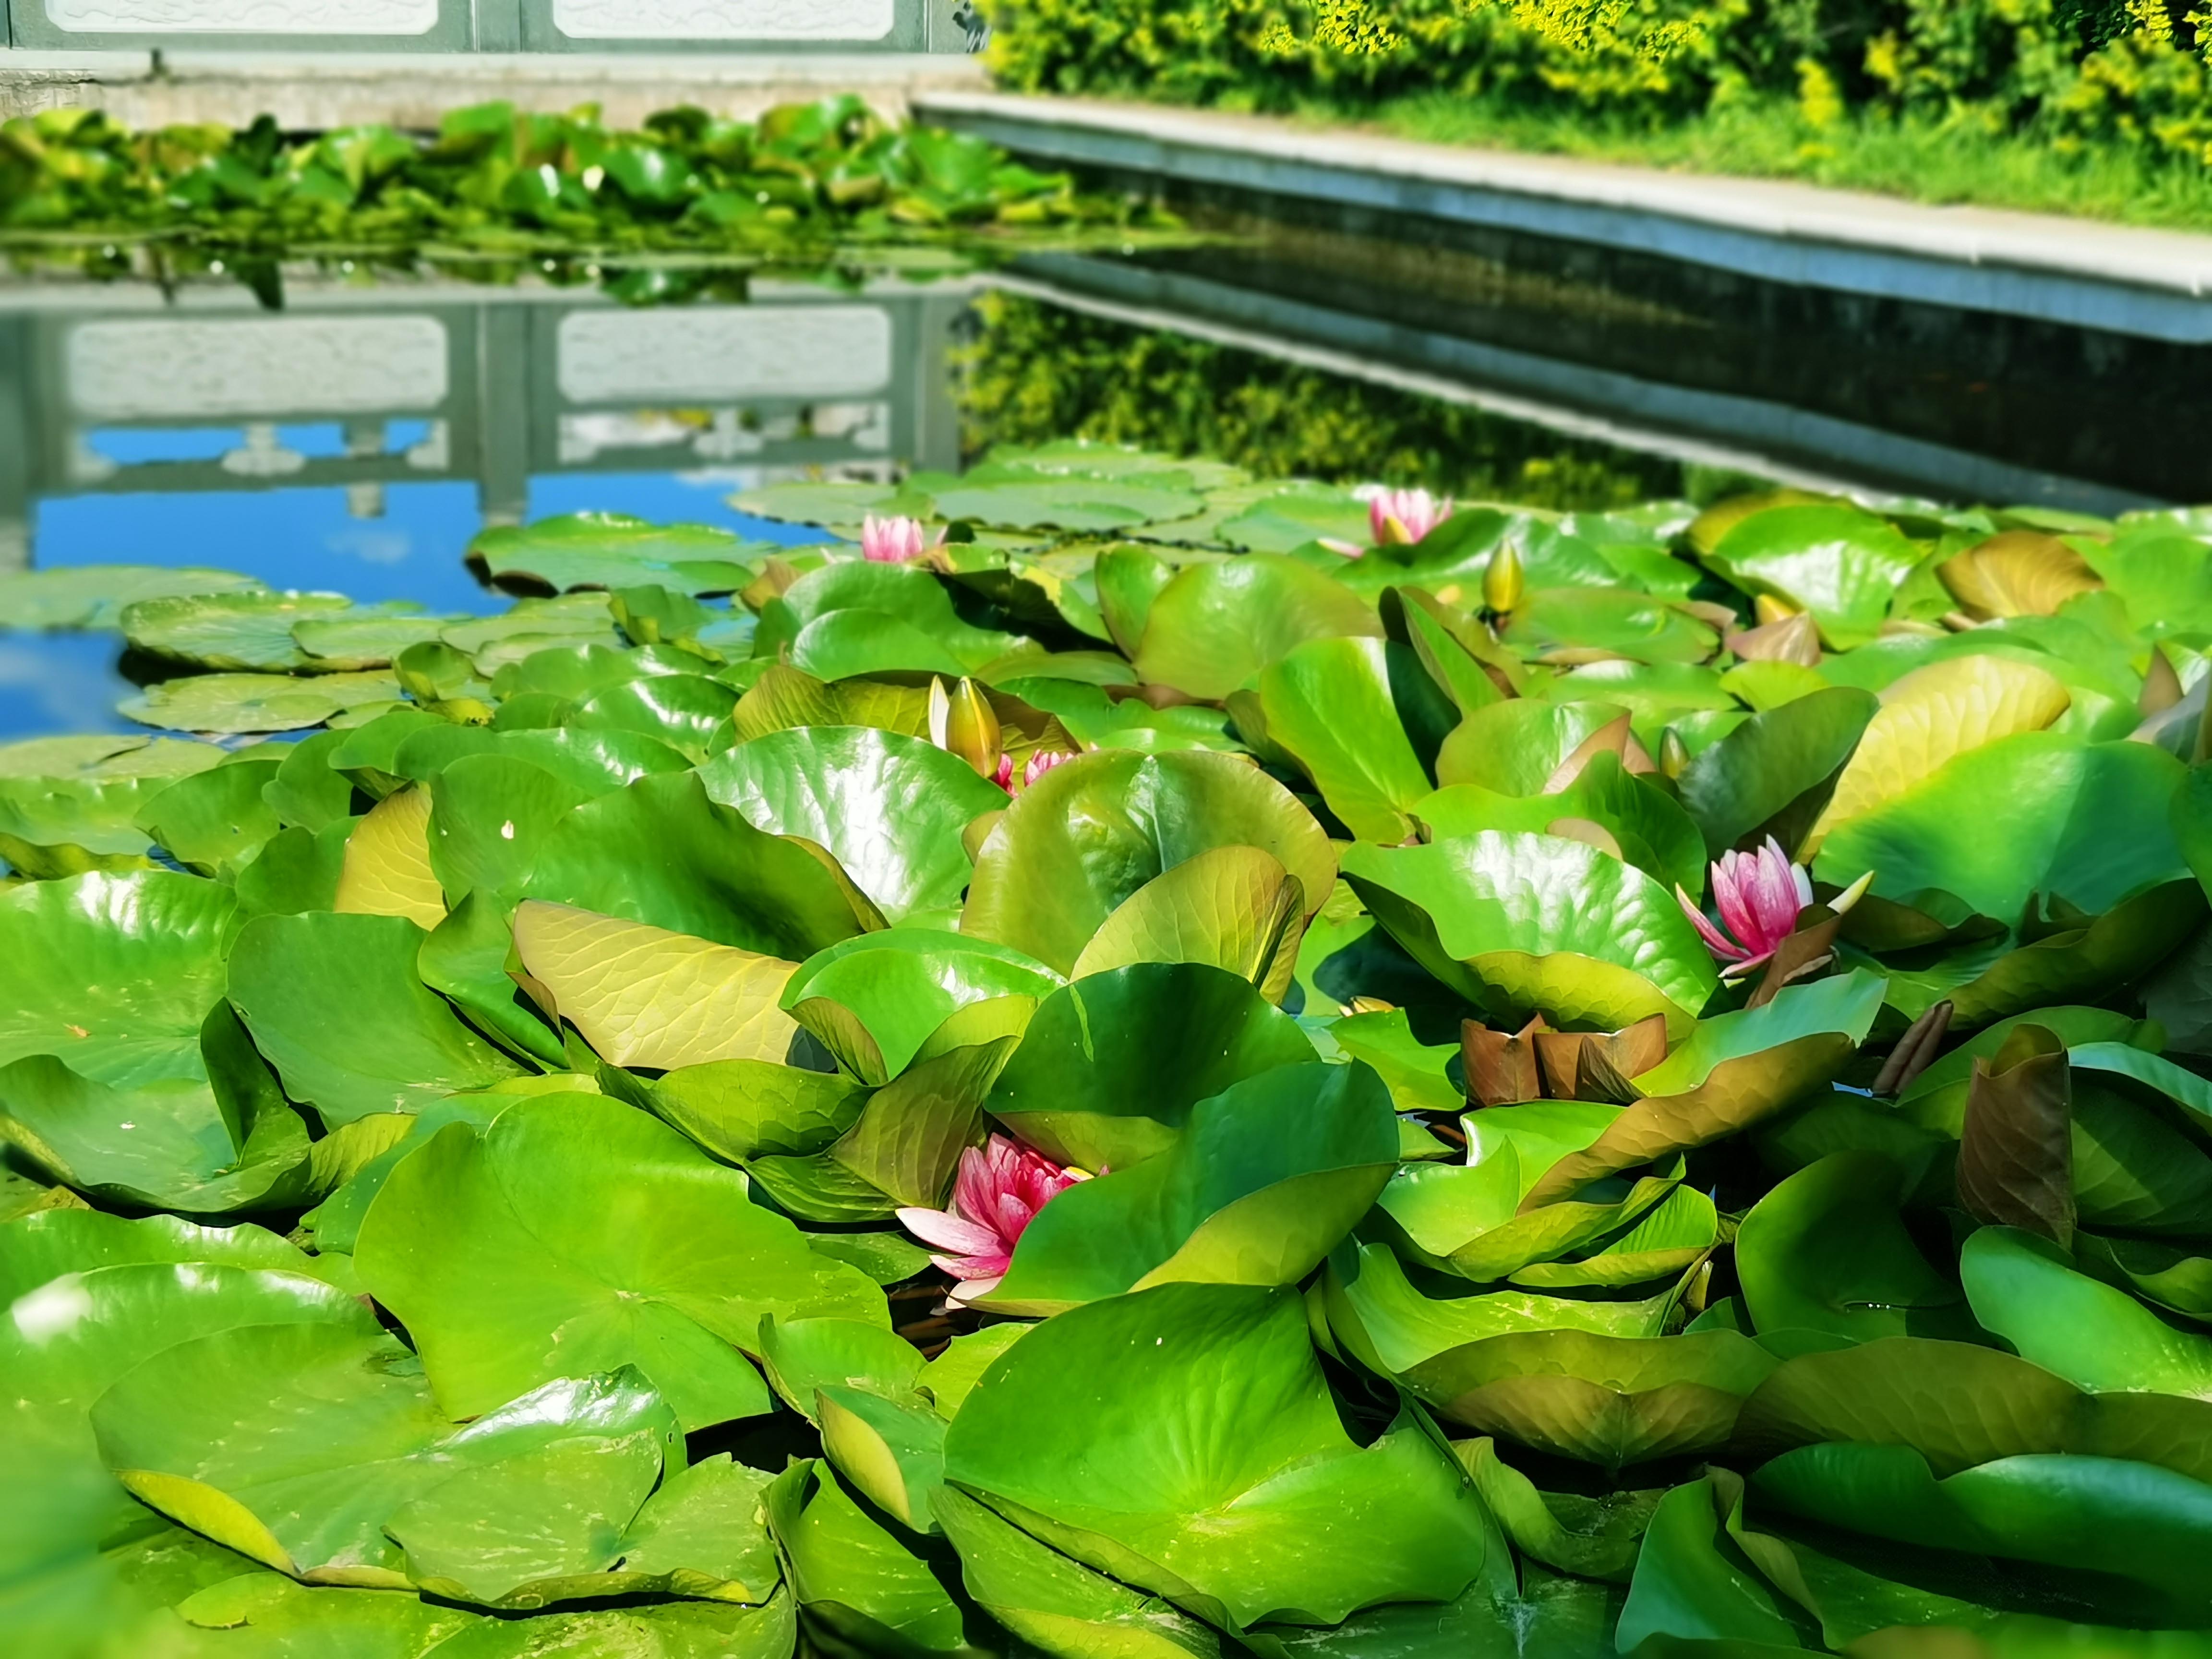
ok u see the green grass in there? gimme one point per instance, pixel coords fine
(1959, 161)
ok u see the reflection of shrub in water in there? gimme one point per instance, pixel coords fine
(1034, 373)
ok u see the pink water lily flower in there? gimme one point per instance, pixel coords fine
(998, 1193)
(1759, 896)
(895, 541)
(1039, 764)
(1399, 518)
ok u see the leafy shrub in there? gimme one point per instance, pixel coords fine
(2068, 71)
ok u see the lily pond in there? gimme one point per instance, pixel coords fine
(885, 963)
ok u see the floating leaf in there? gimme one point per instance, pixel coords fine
(1214, 627)
(1111, 1473)
(1262, 1182)
(1233, 908)
(1933, 714)
(890, 808)
(1086, 835)
(398, 1046)
(590, 1221)
(1188, 1032)
(1520, 923)
(1606, 1399)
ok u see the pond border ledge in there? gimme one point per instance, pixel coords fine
(2084, 273)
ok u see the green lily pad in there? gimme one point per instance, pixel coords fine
(2083, 823)
(589, 1220)
(869, 1585)
(169, 1143)
(1826, 1251)
(398, 1046)
(216, 819)
(1385, 1320)
(1652, 830)
(1328, 702)
(257, 702)
(713, 875)
(1019, 498)
(244, 631)
(2134, 1521)
(114, 974)
(858, 618)
(1261, 1183)
(1775, 773)
(1519, 922)
(684, 711)
(69, 804)
(1189, 1032)
(875, 1001)
(1613, 620)
(1056, 1604)
(1606, 1399)
(1517, 746)
(1841, 564)
(94, 595)
(1088, 834)
(1734, 1070)
(309, 1490)
(890, 808)
(1111, 1473)
(643, 996)
(614, 549)
(2025, 1290)
(1214, 627)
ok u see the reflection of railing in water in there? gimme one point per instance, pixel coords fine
(492, 386)
(464, 26)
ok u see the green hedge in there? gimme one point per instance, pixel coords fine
(1037, 373)
(2072, 73)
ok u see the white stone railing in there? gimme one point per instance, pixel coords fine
(467, 25)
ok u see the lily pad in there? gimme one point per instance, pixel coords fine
(1523, 922)
(1214, 627)
(1841, 564)
(69, 805)
(1606, 1400)
(1263, 1180)
(1288, 1517)
(397, 1047)
(890, 808)
(114, 974)
(245, 631)
(878, 1001)
(2056, 844)
(237, 704)
(590, 1221)
(614, 549)
(644, 996)
(94, 595)
(712, 876)
(1189, 1032)
(1087, 834)
(308, 1490)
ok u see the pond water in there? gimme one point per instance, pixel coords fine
(357, 438)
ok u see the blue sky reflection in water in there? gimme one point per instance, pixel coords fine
(301, 537)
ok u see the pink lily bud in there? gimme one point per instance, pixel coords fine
(997, 1195)
(895, 541)
(1399, 518)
